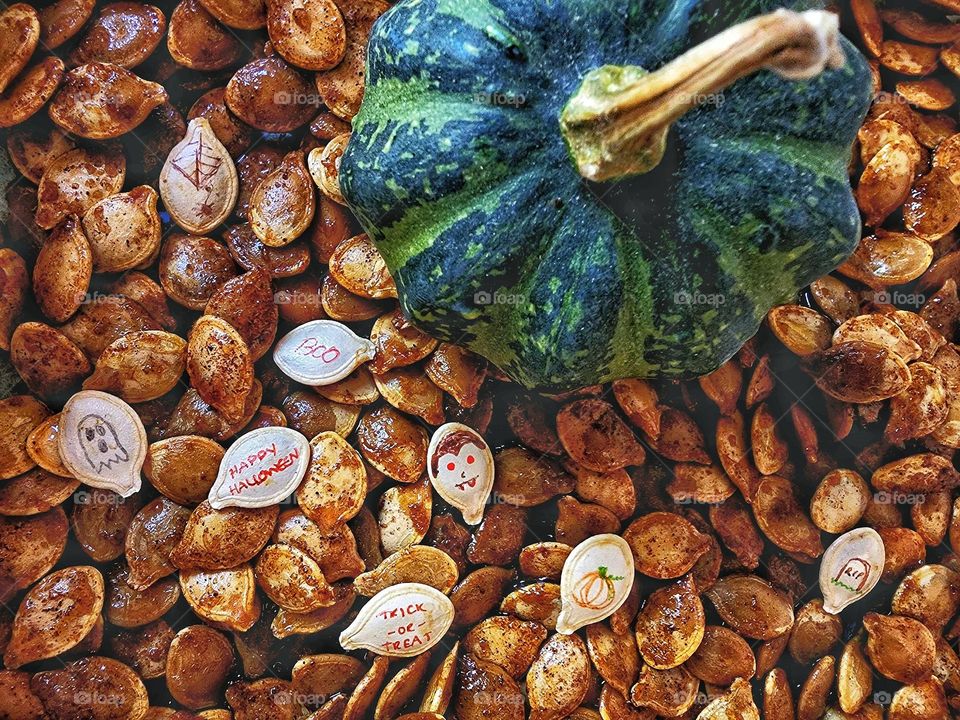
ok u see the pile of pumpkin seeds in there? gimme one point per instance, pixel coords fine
(207, 215)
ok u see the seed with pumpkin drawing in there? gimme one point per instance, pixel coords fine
(596, 590)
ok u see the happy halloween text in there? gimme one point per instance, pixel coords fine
(258, 477)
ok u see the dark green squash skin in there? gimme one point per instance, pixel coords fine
(465, 197)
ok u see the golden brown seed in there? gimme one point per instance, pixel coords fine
(393, 444)
(31, 547)
(129, 608)
(812, 701)
(721, 657)
(769, 449)
(507, 642)
(335, 551)
(559, 678)
(921, 700)
(930, 594)
(283, 204)
(14, 281)
(869, 24)
(62, 272)
(124, 34)
(101, 101)
(19, 415)
(239, 14)
(358, 266)
(457, 371)
(335, 486)
(49, 363)
(326, 674)
(247, 303)
(887, 636)
(44, 627)
(639, 401)
(839, 501)
(224, 598)
(921, 408)
(860, 372)
(310, 35)
(197, 41)
(398, 342)
(19, 36)
(802, 330)
(31, 150)
(192, 268)
(124, 230)
(880, 330)
(876, 133)
(670, 625)
(594, 435)
(920, 473)
(293, 579)
(905, 550)
(886, 181)
(888, 259)
(76, 180)
(62, 19)
(477, 680)
(220, 366)
(783, 520)
(69, 692)
(700, 484)
(665, 545)
(933, 208)
(667, 692)
(140, 366)
(417, 563)
(927, 94)
(404, 515)
(854, 677)
(193, 648)
(814, 634)
(752, 607)
(30, 92)
(680, 438)
(220, 539)
(907, 58)
(270, 95)
(341, 88)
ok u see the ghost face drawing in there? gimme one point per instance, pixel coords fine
(100, 443)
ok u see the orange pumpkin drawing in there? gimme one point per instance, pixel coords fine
(596, 590)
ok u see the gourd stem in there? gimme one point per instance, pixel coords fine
(617, 122)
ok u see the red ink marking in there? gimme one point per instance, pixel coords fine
(312, 348)
(263, 474)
